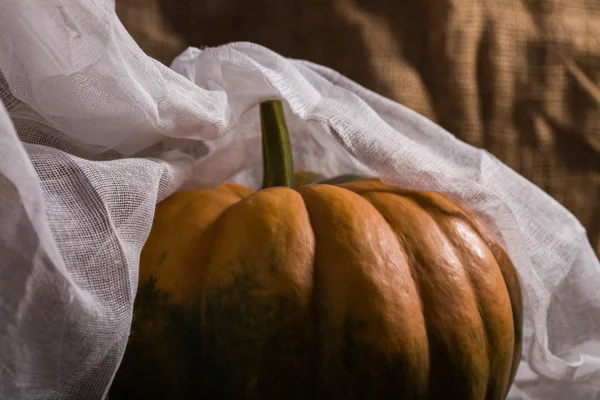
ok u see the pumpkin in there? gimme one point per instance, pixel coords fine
(353, 291)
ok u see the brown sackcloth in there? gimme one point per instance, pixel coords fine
(518, 78)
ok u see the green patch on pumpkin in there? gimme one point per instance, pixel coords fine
(258, 345)
(162, 358)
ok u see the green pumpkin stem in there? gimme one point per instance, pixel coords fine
(278, 164)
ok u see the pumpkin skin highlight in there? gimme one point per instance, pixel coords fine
(360, 290)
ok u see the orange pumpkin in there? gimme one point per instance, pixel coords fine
(355, 291)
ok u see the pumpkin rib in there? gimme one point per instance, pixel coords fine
(388, 297)
(154, 259)
(405, 206)
(510, 279)
(489, 317)
(257, 299)
(316, 294)
(511, 282)
(480, 325)
(165, 338)
(513, 287)
(409, 255)
(439, 206)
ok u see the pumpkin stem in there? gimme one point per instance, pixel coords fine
(278, 164)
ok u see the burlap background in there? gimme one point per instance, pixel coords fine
(516, 77)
